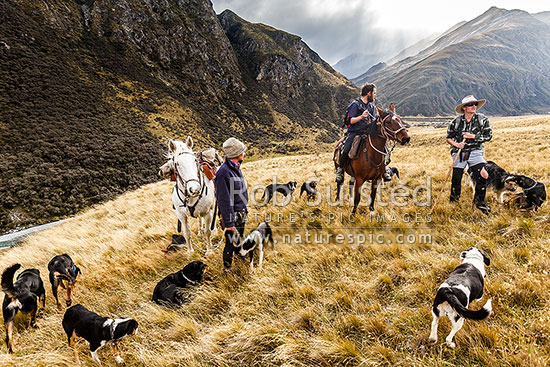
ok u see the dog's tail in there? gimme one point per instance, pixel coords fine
(465, 312)
(7, 280)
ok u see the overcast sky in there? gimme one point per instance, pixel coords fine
(338, 28)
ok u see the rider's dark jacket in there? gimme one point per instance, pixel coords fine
(356, 109)
(231, 191)
(478, 125)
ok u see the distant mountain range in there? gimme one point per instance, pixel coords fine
(502, 55)
(356, 64)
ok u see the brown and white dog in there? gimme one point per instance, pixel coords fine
(463, 285)
(63, 270)
(23, 295)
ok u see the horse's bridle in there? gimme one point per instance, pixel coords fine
(181, 181)
(388, 133)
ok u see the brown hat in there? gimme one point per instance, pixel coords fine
(233, 148)
(469, 99)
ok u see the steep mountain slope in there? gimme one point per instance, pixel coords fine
(91, 89)
(421, 45)
(491, 56)
(305, 93)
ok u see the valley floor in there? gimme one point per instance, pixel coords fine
(361, 298)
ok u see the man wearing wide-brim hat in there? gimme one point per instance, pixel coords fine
(232, 197)
(466, 135)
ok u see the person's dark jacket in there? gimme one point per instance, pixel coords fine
(479, 126)
(231, 192)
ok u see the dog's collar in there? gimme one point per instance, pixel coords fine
(193, 282)
(532, 187)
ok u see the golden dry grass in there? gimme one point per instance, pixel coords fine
(313, 304)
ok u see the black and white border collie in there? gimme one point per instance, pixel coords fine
(390, 172)
(62, 269)
(309, 188)
(463, 285)
(23, 295)
(499, 181)
(167, 292)
(284, 189)
(534, 193)
(96, 330)
(257, 239)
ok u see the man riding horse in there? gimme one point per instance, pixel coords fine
(370, 152)
(361, 113)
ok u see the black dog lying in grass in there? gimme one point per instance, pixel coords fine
(168, 291)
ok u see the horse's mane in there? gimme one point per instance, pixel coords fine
(372, 128)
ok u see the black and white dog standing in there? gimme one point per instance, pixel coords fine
(284, 189)
(463, 285)
(96, 330)
(390, 172)
(309, 188)
(499, 181)
(168, 291)
(257, 239)
(62, 269)
(23, 295)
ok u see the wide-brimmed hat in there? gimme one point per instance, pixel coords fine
(469, 99)
(233, 148)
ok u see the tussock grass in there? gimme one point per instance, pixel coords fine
(313, 304)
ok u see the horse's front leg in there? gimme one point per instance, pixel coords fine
(374, 186)
(186, 231)
(208, 232)
(357, 194)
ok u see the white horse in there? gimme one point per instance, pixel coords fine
(193, 193)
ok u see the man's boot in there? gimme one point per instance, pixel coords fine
(456, 184)
(481, 189)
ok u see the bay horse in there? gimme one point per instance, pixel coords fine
(193, 194)
(371, 162)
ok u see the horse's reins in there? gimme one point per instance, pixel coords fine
(384, 135)
(185, 202)
(179, 178)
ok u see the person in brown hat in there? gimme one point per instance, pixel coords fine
(466, 134)
(232, 197)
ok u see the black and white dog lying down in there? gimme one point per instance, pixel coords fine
(178, 243)
(257, 240)
(62, 269)
(309, 188)
(284, 189)
(167, 292)
(463, 285)
(533, 195)
(97, 330)
(23, 295)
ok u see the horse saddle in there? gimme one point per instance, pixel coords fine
(355, 149)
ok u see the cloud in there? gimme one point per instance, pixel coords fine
(334, 29)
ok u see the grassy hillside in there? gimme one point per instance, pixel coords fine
(313, 304)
